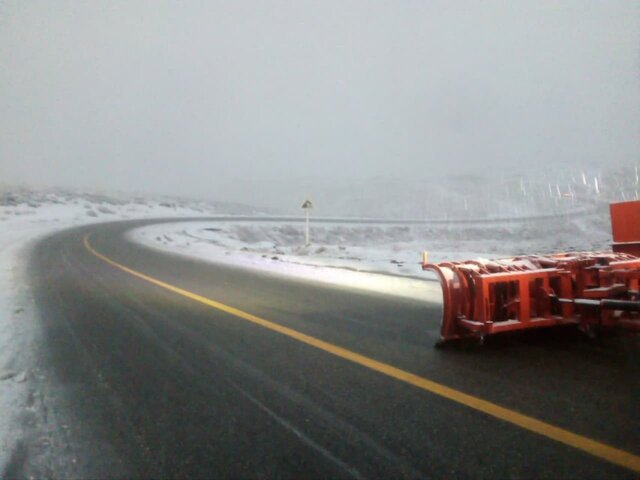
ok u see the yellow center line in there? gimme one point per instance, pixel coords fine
(598, 449)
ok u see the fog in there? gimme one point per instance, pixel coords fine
(209, 98)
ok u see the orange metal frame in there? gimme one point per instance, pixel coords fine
(589, 289)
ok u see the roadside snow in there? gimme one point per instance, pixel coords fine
(211, 241)
(380, 257)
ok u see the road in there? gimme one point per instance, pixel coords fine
(164, 366)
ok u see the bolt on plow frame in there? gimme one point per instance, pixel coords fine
(589, 289)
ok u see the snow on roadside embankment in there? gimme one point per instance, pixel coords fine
(26, 216)
(336, 265)
(381, 257)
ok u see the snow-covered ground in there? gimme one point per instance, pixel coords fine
(374, 256)
(249, 244)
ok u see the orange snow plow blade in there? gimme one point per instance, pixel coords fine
(590, 289)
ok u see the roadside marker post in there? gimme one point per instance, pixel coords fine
(307, 206)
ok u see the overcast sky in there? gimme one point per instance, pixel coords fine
(182, 97)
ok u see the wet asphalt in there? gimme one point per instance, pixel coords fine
(146, 383)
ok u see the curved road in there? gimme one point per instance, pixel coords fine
(170, 367)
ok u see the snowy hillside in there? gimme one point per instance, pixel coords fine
(551, 189)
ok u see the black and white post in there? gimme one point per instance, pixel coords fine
(307, 206)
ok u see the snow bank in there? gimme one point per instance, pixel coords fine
(213, 242)
(380, 257)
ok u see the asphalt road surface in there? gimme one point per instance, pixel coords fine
(159, 365)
